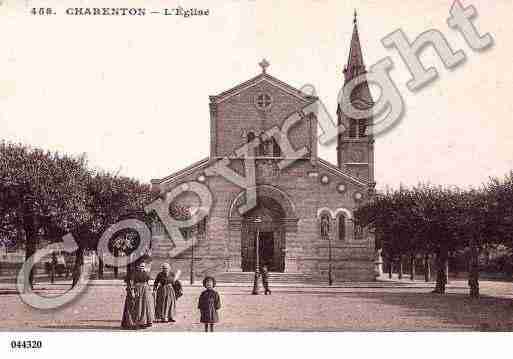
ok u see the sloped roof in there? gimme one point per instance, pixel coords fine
(174, 177)
(257, 79)
(338, 172)
(183, 172)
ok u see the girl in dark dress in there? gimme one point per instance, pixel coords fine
(165, 309)
(209, 303)
(128, 319)
(143, 307)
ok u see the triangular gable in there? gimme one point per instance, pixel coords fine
(256, 80)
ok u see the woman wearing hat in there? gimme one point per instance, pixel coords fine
(143, 308)
(165, 309)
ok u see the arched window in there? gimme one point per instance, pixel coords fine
(262, 148)
(251, 137)
(325, 226)
(341, 227)
(358, 231)
(352, 128)
(276, 148)
(362, 126)
(201, 228)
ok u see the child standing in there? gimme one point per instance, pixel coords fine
(209, 303)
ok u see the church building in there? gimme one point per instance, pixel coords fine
(303, 218)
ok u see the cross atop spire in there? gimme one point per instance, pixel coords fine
(355, 64)
(264, 64)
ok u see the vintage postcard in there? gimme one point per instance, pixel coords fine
(254, 166)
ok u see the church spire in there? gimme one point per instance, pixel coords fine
(355, 64)
(355, 149)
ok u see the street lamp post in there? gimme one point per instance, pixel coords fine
(325, 234)
(192, 262)
(257, 257)
(193, 212)
(330, 278)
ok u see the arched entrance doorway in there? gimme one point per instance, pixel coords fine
(278, 226)
(266, 221)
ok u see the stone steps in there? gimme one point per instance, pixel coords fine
(274, 277)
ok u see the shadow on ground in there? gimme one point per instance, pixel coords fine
(483, 314)
(83, 327)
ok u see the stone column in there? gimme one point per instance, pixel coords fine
(292, 248)
(291, 253)
(234, 248)
(378, 264)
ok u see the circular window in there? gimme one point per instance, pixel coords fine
(201, 178)
(341, 187)
(358, 196)
(325, 179)
(263, 101)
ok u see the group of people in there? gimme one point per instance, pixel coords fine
(143, 306)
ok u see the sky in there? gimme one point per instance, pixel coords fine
(132, 92)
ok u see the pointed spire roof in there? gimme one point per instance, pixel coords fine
(355, 66)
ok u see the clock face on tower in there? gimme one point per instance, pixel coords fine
(356, 155)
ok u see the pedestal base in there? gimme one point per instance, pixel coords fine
(291, 265)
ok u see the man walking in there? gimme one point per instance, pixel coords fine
(265, 280)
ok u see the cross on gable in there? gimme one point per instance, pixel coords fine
(264, 64)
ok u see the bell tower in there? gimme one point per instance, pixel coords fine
(355, 145)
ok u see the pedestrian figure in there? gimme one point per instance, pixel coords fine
(53, 268)
(128, 322)
(177, 286)
(165, 308)
(77, 271)
(139, 312)
(209, 303)
(265, 280)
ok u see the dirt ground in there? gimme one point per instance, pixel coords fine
(289, 308)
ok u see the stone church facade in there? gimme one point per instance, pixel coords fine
(304, 211)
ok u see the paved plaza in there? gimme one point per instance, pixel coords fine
(380, 306)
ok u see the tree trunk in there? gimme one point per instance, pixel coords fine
(447, 270)
(390, 268)
(427, 268)
(100, 266)
(400, 267)
(441, 276)
(412, 269)
(30, 249)
(77, 269)
(52, 273)
(115, 269)
(473, 280)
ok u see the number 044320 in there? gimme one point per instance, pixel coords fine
(26, 344)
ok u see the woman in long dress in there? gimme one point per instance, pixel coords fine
(142, 309)
(165, 309)
(128, 319)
